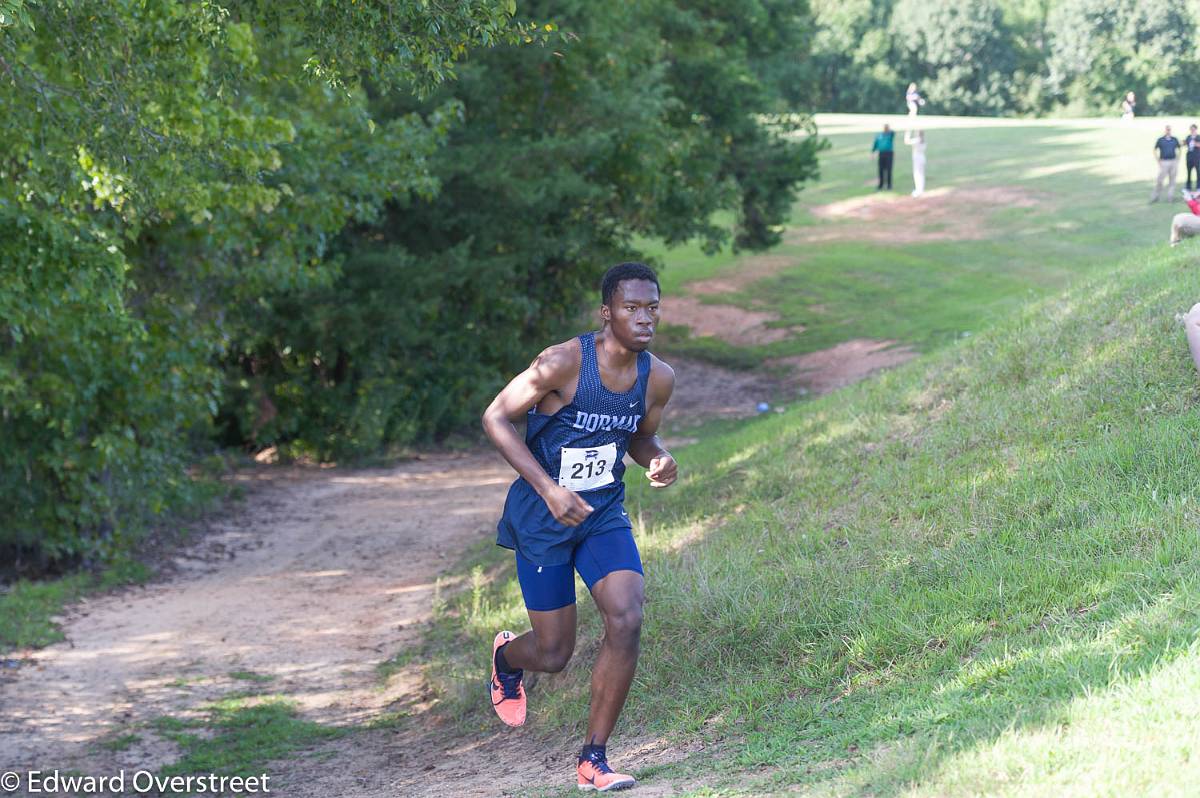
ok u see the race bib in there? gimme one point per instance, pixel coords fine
(584, 469)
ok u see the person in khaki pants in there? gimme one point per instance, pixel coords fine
(1166, 152)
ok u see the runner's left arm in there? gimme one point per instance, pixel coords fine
(644, 447)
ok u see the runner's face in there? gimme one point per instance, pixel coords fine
(633, 314)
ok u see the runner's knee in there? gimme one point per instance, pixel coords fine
(555, 654)
(625, 624)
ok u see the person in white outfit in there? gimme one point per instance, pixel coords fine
(916, 140)
(1128, 105)
(913, 99)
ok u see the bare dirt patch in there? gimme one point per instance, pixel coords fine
(738, 326)
(441, 763)
(848, 362)
(318, 580)
(942, 214)
(704, 391)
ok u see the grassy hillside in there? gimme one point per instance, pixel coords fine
(976, 574)
(1016, 209)
(979, 573)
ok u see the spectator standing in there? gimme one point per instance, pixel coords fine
(916, 140)
(1192, 146)
(913, 99)
(885, 147)
(1128, 105)
(1166, 152)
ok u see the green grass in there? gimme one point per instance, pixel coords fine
(251, 676)
(1090, 180)
(27, 609)
(954, 558)
(239, 735)
(975, 574)
(119, 741)
(28, 606)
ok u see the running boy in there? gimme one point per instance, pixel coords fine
(586, 402)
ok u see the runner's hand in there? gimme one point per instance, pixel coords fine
(566, 506)
(662, 471)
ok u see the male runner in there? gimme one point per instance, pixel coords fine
(586, 402)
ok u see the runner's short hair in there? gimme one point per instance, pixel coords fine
(625, 271)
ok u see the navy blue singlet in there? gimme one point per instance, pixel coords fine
(592, 433)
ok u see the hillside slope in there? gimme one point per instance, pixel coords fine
(975, 574)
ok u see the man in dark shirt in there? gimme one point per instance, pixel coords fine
(1192, 145)
(884, 145)
(1166, 150)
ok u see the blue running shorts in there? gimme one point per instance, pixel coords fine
(552, 587)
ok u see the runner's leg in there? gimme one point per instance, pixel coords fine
(619, 597)
(549, 593)
(548, 646)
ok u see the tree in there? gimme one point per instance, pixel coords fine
(961, 54)
(162, 161)
(1103, 48)
(852, 55)
(645, 124)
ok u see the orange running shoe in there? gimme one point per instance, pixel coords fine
(506, 689)
(595, 774)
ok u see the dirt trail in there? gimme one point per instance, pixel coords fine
(319, 576)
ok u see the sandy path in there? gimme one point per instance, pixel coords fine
(319, 576)
(318, 579)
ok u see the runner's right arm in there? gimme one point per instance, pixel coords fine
(553, 370)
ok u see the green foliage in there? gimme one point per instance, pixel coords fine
(1005, 56)
(961, 54)
(225, 219)
(644, 124)
(1103, 48)
(852, 56)
(164, 165)
(89, 392)
(14, 12)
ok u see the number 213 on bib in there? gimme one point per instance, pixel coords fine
(587, 468)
